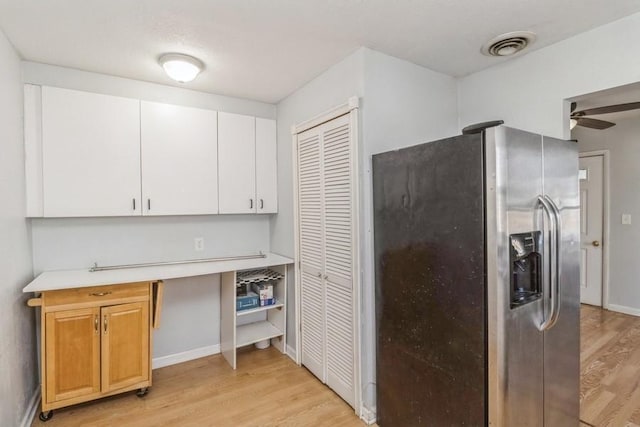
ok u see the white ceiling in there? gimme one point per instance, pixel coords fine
(264, 50)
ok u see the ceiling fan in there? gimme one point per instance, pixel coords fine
(579, 118)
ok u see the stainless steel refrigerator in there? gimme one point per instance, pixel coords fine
(477, 271)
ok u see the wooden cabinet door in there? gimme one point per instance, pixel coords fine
(91, 154)
(125, 345)
(72, 362)
(237, 163)
(266, 166)
(179, 160)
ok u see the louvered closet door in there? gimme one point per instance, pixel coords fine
(338, 248)
(311, 249)
(325, 171)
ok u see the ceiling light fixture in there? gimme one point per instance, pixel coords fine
(180, 67)
(508, 44)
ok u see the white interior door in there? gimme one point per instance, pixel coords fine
(326, 253)
(91, 154)
(338, 247)
(591, 226)
(179, 160)
(311, 252)
(237, 163)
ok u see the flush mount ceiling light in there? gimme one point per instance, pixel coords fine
(508, 44)
(180, 67)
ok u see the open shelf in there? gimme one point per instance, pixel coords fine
(257, 276)
(260, 309)
(253, 332)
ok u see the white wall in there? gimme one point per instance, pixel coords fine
(331, 88)
(18, 366)
(404, 105)
(528, 92)
(79, 242)
(401, 104)
(623, 143)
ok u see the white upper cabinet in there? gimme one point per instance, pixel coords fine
(90, 154)
(237, 163)
(179, 160)
(266, 166)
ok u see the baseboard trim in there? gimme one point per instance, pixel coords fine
(368, 416)
(624, 309)
(291, 352)
(32, 409)
(185, 356)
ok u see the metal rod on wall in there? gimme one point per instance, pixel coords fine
(191, 261)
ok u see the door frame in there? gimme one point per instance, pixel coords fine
(605, 220)
(350, 107)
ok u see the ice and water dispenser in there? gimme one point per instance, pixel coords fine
(525, 263)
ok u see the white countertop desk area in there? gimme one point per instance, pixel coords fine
(232, 335)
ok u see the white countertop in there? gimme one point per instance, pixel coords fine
(67, 279)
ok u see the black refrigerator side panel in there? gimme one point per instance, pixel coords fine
(430, 284)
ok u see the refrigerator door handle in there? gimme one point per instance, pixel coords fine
(553, 248)
(558, 260)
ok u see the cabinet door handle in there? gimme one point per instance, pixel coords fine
(148, 204)
(250, 203)
(261, 204)
(105, 324)
(99, 294)
(96, 324)
(134, 204)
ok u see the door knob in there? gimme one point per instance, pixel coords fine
(595, 243)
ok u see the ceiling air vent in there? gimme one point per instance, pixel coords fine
(508, 44)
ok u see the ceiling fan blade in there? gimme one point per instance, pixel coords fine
(609, 109)
(594, 123)
(574, 105)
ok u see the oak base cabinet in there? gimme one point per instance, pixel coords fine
(96, 342)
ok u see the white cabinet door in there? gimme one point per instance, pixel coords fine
(91, 154)
(179, 160)
(266, 166)
(236, 163)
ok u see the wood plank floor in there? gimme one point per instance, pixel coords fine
(610, 368)
(267, 389)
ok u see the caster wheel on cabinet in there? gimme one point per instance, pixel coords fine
(45, 416)
(142, 392)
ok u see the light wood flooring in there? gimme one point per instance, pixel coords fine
(610, 368)
(267, 389)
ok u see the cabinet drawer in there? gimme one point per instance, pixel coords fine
(95, 296)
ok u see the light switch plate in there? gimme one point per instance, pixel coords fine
(626, 219)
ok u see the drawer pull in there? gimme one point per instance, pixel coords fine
(99, 294)
(96, 322)
(105, 324)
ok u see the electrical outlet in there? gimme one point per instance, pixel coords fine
(198, 244)
(626, 219)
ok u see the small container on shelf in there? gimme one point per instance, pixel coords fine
(241, 290)
(264, 291)
(247, 302)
